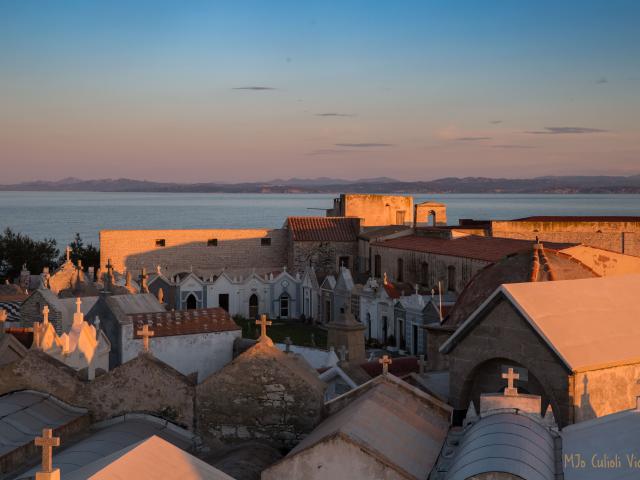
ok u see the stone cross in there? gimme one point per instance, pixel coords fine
(78, 303)
(45, 314)
(421, 364)
(385, 361)
(263, 322)
(68, 249)
(145, 333)
(343, 353)
(511, 376)
(287, 343)
(47, 441)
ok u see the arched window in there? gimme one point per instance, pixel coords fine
(253, 306)
(284, 306)
(377, 264)
(424, 274)
(192, 302)
(451, 278)
(400, 275)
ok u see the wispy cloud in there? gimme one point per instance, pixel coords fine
(512, 146)
(364, 145)
(334, 151)
(602, 80)
(334, 114)
(471, 139)
(495, 122)
(257, 88)
(565, 130)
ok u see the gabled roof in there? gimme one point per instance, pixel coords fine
(324, 229)
(588, 323)
(329, 283)
(390, 420)
(488, 249)
(184, 322)
(124, 305)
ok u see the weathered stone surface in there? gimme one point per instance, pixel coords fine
(264, 394)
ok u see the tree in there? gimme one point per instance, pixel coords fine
(89, 255)
(17, 250)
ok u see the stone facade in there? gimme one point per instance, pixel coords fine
(142, 385)
(134, 249)
(374, 210)
(323, 256)
(450, 271)
(502, 337)
(619, 236)
(264, 394)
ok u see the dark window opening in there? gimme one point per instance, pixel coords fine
(265, 242)
(212, 242)
(223, 301)
(160, 242)
(284, 306)
(192, 302)
(344, 262)
(400, 275)
(451, 274)
(377, 264)
(424, 274)
(253, 306)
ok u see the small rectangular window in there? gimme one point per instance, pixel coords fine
(400, 217)
(265, 242)
(160, 242)
(212, 242)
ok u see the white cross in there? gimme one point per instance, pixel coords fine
(511, 376)
(47, 441)
(385, 361)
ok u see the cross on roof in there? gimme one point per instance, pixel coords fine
(421, 364)
(78, 303)
(45, 314)
(263, 322)
(47, 441)
(343, 353)
(68, 249)
(385, 361)
(511, 376)
(145, 333)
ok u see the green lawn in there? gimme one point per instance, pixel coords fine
(300, 333)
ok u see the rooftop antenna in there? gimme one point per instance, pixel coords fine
(440, 300)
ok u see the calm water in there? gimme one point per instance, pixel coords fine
(61, 214)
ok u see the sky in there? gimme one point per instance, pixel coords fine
(229, 91)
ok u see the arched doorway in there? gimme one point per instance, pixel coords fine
(253, 306)
(192, 302)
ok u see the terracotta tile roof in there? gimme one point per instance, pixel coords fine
(324, 229)
(489, 249)
(184, 322)
(583, 218)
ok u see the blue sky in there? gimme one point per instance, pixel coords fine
(164, 90)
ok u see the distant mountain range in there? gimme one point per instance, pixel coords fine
(549, 184)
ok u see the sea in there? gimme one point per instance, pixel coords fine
(59, 215)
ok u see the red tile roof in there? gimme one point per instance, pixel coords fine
(184, 322)
(490, 249)
(583, 218)
(324, 229)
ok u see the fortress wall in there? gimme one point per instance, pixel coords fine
(622, 237)
(134, 249)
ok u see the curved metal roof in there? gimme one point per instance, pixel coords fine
(505, 442)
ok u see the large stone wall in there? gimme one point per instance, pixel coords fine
(265, 395)
(504, 337)
(142, 385)
(323, 256)
(622, 237)
(134, 249)
(465, 268)
(377, 210)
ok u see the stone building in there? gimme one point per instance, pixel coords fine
(383, 429)
(193, 341)
(61, 310)
(573, 342)
(324, 243)
(264, 394)
(441, 258)
(616, 233)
